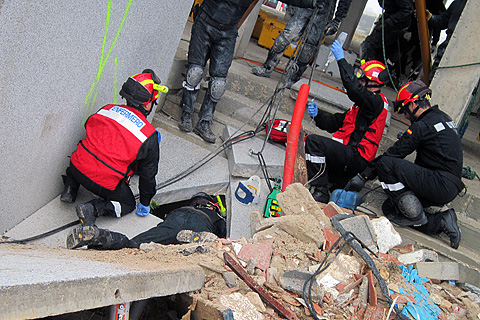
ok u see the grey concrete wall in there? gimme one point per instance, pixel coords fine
(59, 62)
(453, 86)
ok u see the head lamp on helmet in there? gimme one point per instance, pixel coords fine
(409, 92)
(372, 70)
(142, 88)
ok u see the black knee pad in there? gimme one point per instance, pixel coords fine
(409, 205)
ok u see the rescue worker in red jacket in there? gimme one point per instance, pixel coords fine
(119, 142)
(356, 132)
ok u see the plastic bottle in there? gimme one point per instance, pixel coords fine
(341, 38)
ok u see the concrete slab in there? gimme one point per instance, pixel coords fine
(360, 226)
(438, 270)
(56, 214)
(338, 101)
(238, 220)
(41, 283)
(387, 236)
(244, 164)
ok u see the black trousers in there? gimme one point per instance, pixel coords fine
(117, 203)
(432, 189)
(342, 162)
(184, 218)
(399, 175)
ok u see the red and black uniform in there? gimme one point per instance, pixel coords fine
(356, 134)
(119, 142)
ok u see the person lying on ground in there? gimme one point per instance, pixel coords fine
(200, 221)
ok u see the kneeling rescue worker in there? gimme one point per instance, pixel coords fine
(119, 142)
(434, 179)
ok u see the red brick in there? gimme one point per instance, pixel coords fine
(374, 313)
(402, 298)
(388, 257)
(372, 292)
(261, 252)
(331, 210)
(405, 249)
(330, 239)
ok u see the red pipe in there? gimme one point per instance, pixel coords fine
(293, 134)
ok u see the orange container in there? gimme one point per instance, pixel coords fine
(270, 30)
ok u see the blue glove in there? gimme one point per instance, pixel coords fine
(142, 210)
(312, 109)
(159, 137)
(337, 50)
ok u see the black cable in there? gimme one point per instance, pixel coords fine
(48, 233)
(307, 294)
(368, 260)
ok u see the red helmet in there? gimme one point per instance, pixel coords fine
(142, 88)
(371, 70)
(409, 92)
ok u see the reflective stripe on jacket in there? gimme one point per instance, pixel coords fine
(114, 136)
(368, 146)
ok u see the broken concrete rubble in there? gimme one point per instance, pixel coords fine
(279, 256)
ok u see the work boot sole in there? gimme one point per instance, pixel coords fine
(84, 219)
(80, 236)
(189, 236)
(204, 137)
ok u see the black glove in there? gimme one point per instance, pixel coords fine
(356, 183)
(332, 27)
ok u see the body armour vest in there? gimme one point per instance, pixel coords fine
(109, 152)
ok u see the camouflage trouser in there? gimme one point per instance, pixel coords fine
(293, 31)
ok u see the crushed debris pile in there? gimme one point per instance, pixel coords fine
(299, 266)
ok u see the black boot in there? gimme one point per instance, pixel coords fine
(320, 194)
(81, 236)
(204, 131)
(449, 225)
(87, 213)
(70, 191)
(95, 238)
(188, 101)
(69, 194)
(185, 123)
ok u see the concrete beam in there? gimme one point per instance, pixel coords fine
(41, 283)
(453, 88)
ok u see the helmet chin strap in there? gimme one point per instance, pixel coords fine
(411, 113)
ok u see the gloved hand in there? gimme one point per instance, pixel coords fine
(159, 137)
(337, 50)
(356, 183)
(142, 210)
(312, 109)
(332, 27)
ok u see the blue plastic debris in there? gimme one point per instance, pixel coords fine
(423, 308)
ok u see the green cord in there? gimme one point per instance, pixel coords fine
(468, 173)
